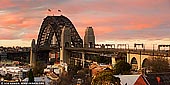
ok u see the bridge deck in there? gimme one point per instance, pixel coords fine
(114, 50)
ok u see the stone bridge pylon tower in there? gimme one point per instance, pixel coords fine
(65, 42)
(89, 38)
(33, 53)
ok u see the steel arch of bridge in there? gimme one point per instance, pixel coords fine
(54, 25)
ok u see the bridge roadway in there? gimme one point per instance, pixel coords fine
(115, 51)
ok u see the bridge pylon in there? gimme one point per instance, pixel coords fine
(89, 38)
(33, 54)
(65, 42)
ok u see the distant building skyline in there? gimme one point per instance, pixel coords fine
(114, 21)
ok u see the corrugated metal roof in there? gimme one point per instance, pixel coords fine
(128, 79)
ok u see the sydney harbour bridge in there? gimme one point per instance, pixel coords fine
(58, 36)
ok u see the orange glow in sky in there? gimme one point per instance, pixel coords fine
(114, 21)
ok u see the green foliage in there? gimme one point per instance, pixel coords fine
(121, 56)
(81, 73)
(39, 68)
(158, 64)
(102, 59)
(30, 76)
(52, 61)
(105, 78)
(8, 76)
(122, 67)
(73, 70)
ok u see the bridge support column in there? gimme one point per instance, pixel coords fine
(113, 61)
(128, 58)
(65, 42)
(140, 62)
(64, 56)
(89, 38)
(33, 54)
(83, 59)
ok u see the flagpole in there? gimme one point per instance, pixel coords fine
(50, 11)
(59, 11)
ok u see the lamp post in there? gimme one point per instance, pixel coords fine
(128, 46)
(154, 48)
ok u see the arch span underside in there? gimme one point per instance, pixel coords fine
(141, 60)
(144, 63)
(52, 26)
(134, 63)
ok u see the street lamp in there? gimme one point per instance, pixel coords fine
(128, 46)
(153, 48)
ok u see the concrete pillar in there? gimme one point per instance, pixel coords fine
(83, 59)
(140, 60)
(65, 41)
(64, 56)
(113, 60)
(89, 38)
(53, 41)
(33, 54)
(128, 58)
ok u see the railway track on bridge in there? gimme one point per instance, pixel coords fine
(114, 51)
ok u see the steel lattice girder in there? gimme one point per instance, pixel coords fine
(55, 24)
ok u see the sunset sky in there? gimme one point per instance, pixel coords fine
(114, 21)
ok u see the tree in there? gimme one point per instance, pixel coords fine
(81, 74)
(105, 78)
(121, 56)
(65, 79)
(102, 59)
(122, 67)
(39, 68)
(30, 76)
(8, 76)
(158, 64)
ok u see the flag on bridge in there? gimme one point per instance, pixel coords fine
(59, 10)
(49, 10)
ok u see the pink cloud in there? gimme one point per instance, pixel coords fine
(6, 4)
(29, 36)
(9, 19)
(14, 22)
(106, 17)
(7, 34)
